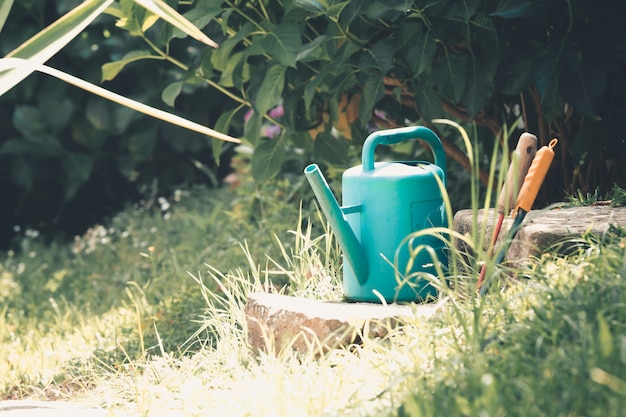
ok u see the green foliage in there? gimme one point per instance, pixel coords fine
(554, 347)
(336, 68)
(615, 198)
(479, 61)
(119, 302)
(68, 159)
(130, 277)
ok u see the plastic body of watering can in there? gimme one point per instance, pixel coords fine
(384, 203)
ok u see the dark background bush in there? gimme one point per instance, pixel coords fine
(67, 158)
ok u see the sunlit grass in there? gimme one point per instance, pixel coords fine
(146, 316)
(122, 292)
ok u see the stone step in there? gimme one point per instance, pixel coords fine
(542, 229)
(276, 323)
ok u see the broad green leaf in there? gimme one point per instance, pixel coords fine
(546, 75)
(450, 76)
(270, 90)
(222, 125)
(335, 10)
(377, 59)
(331, 149)
(352, 11)
(225, 119)
(216, 150)
(283, 43)
(310, 89)
(9, 63)
(51, 40)
(427, 101)
(130, 16)
(115, 11)
(373, 91)
(342, 81)
(111, 69)
(149, 20)
(267, 159)
(220, 57)
(170, 93)
(236, 62)
(461, 10)
(312, 50)
(252, 128)
(378, 9)
(199, 16)
(311, 5)
(480, 82)
(167, 13)
(5, 8)
(420, 55)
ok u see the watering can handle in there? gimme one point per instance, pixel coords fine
(391, 136)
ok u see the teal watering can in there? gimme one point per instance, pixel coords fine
(384, 203)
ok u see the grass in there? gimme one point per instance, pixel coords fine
(145, 316)
(122, 292)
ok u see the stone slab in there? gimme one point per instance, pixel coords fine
(277, 322)
(542, 229)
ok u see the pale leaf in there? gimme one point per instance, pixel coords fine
(5, 8)
(167, 13)
(51, 40)
(10, 63)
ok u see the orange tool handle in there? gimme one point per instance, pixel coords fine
(521, 158)
(535, 176)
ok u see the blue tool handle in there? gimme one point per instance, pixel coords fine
(517, 225)
(391, 136)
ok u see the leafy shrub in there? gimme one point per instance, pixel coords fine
(339, 67)
(68, 158)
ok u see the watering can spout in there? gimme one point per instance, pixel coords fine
(352, 250)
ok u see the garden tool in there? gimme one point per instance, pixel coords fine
(384, 204)
(527, 195)
(521, 158)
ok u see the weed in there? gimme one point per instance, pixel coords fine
(614, 198)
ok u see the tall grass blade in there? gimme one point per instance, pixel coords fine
(10, 63)
(49, 41)
(165, 12)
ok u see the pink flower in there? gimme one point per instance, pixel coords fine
(270, 131)
(248, 115)
(277, 112)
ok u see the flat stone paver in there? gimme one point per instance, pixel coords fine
(27, 408)
(542, 229)
(276, 322)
